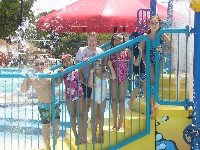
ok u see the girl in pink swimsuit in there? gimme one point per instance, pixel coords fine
(120, 63)
(73, 94)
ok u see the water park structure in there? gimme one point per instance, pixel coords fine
(174, 125)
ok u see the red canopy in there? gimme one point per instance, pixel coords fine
(97, 15)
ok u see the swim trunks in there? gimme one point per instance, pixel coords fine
(45, 110)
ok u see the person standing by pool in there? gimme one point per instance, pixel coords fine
(4, 53)
(98, 81)
(2, 60)
(83, 54)
(74, 96)
(120, 63)
(139, 71)
(43, 88)
(155, 26)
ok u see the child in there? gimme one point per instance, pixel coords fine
(98, 104)
(139, 74)
(155, 26)
(74, 96)
(43, 88)
(83, 54)
(120, 63)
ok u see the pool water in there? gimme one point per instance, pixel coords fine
(20, 127)
(9, 85)
(16, 141)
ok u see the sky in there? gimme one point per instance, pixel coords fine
(48, 5)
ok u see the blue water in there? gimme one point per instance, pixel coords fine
(16, 141)
(9, 85)
(20, 127)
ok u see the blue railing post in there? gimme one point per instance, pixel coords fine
(195, 143)
(153, 7)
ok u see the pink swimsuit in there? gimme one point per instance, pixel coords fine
(72, 87)
(123, 65)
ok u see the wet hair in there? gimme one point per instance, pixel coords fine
(101, 65)
(38, 58)
(98, 60)
(159, 20)
(134, 35)
(64, 56)
(95, 34)
(115, 35)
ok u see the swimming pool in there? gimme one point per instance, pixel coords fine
(20, 127)
(16, 141)
(10, 85)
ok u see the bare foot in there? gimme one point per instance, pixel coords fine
(76, 142)
(94, 139)
(120, 124)
(83, 140)
(152, 111)
(120, 129)
(100, 140)
(114, 126)
(130, 105)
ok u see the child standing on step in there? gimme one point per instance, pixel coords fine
(120, 62)
(139, 75)
(98, 81)
(74, 96)
(83, 54)
(155, 26)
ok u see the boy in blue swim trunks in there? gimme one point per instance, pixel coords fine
(43, 90)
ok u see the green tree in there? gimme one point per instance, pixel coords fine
(10, 15)
(66, 42)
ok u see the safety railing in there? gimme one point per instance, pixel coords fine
(174, 88)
